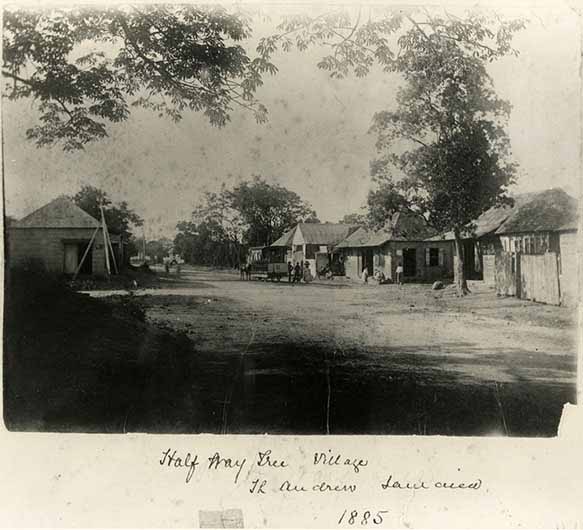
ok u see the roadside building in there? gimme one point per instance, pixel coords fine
(55, 238)
(569, 264)
(528, 249)
(314, 243)
(538, 256)
(480, 242)
(403, 241)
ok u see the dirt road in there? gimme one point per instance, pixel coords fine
(341, 358)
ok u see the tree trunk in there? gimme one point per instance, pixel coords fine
(459, 274)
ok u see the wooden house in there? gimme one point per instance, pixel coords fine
(538, 257)
(489, 234)
(402, 241)
(528, 249)
(55, 238)
(480, 242)
(314, 243)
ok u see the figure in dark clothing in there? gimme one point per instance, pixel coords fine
(290, 271)
(297, 273)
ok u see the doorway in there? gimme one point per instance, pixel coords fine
(71, 257)
(367, 260)
(73, 254)
(409, 262)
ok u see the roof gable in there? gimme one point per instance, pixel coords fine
(61, 212)
(316, 234)
(286, 239)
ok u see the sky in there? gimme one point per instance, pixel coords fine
(316, 141)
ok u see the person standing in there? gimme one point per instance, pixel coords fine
(399, 273)
(290, 271)
(365, 275)
(297, 273)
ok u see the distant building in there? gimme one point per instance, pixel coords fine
(402, 241)
(314, 243)
(55, 238)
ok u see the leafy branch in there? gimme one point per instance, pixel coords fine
(166, 59)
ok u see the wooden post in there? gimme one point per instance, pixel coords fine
(85, 254)
(104, 228)
(112, 253)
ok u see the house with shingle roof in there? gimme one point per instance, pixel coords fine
(538, 223)
(55, 238)
(402, 241)
(480, 241)
(546, 223)
(314, 243)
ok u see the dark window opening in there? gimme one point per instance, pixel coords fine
(409, 262)
(311, 251)
(433, 257)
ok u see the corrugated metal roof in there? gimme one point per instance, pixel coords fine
(326, 233)
(61, 212)
(286, 239)
(317, 234)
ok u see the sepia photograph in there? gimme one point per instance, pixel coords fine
(290, 219)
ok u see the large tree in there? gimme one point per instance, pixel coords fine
(268, 210)
(220, 227)
(206, 243)
(445, 141)
(84, 67)
(224, 224)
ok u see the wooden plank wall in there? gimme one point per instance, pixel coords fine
(539, 278)
(489, 261)
(506, 276)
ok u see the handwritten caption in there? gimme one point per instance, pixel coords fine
(296, 477)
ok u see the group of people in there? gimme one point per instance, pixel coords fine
(379, 275)
(298, 272)
(326, 272)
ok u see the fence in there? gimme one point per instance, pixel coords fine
(539, 278)
(531, 277)
(507, 272)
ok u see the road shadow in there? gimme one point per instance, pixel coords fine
(91, 365)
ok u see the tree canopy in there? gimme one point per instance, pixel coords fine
(268, 210)
(120, 218)
(165, 58)
(224, 224)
